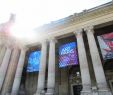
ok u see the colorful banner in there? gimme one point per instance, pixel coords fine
(34, 61)
(68, 54)
(106, 45)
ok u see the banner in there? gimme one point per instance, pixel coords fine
(68, 54)
(33, 61)
(106, 45)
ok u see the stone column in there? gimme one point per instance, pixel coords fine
(4, 66)
(42, 69)
(0, 43)
(0, 47)
(51, 69)
(86, 81)
(10, 72)
(17, 79)
(2, 53)
(97, 64)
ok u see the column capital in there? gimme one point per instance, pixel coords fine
(78, 32)
(44, 41)
(52, 39)
(8, 45)
(24, 48)
(89, 29)
(11, 43)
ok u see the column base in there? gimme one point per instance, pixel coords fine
(13, 93)
(8, 93)
(49, 92)
(40, 92)
(104, 92)
(94, 90)
(103, 89)
(86, 89)
(37, 94)
(86, 92)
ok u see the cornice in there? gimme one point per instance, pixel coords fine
(95, 17)
(86, 15)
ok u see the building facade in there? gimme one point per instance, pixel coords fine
(92, 73)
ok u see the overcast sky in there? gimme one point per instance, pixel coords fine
(33, 13)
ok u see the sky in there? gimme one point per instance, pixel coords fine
(33, 13)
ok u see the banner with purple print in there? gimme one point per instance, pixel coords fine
(68, 54)
(106, 45)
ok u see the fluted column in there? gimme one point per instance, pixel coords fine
(18, 75)
(86, 81)
(10, 72)
(2, 53)
(4, 66)
(97, 64)
(42, 69)
(0, 47)
(0, 43)
(51, 69)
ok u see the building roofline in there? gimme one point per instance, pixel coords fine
(59, 22)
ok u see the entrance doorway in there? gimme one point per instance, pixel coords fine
(76, 89)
